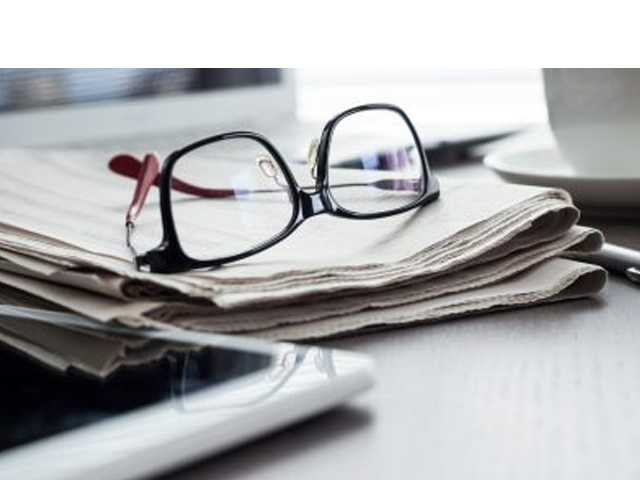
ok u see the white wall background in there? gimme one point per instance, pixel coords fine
(441, 100)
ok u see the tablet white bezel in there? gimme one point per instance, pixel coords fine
(156, 438)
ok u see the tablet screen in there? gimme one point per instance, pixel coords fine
(38, 401)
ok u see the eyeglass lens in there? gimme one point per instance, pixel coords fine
(246, 199)
(384, 165)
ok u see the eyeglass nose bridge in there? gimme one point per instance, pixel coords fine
(311, 204)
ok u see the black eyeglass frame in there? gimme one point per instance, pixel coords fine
(170, 257)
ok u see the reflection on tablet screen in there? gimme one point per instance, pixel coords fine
(37, 401)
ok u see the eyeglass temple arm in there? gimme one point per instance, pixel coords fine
(147, 174)
(129, 166)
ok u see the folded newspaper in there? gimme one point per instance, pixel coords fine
(481, 246)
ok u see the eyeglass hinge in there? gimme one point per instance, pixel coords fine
(140, 261)
(142, 264)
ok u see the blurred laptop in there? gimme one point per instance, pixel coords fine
(157, 109)
(142, 109)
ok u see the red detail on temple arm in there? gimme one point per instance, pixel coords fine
(129, 166)
(147, 176)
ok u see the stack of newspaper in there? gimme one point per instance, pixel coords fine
(481, 246)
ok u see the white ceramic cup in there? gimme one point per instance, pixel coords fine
(595, 118)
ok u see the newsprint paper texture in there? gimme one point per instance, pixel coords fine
(481, 246)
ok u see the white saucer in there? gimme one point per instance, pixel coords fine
(548, 168)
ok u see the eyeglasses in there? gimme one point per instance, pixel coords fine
(230, 196)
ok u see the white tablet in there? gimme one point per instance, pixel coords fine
(194, 395)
